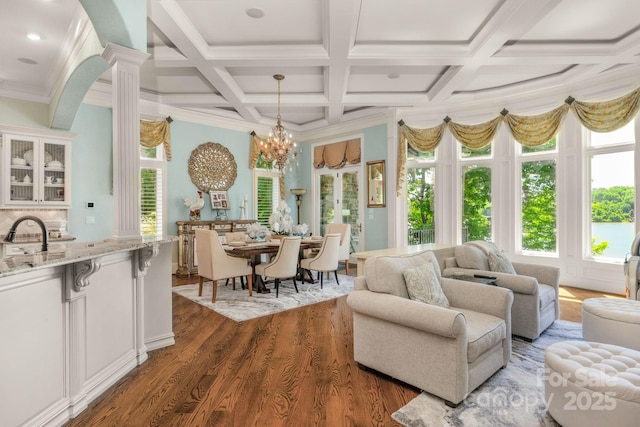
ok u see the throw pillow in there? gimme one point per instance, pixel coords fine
(423, 285)
(470, 256)
(499, 263)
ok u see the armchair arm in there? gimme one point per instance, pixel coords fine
(418, 315)
(487, 299)
(517, 283)
(359, 284)
(545, 274)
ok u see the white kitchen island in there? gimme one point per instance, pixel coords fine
(75, 320)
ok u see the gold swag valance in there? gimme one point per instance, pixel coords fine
(529, 131)
(154, 133)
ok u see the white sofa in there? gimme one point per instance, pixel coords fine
(536, 302)
(445, 351)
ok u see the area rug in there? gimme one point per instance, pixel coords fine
(239, 306)
(514, 396)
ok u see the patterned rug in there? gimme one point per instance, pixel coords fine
(239, 306)
(514, 396)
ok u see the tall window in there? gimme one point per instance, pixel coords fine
(476, 194)
(152, 191)
(611, 171)
(538, 230)
(266, 190)
(421, 196)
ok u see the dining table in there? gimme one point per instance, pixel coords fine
(253, 251)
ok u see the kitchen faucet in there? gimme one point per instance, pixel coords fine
(11, 237)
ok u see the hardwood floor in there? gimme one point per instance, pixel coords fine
(293, 368)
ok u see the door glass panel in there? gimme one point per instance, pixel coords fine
(327, 202)
(54, 177)
(350, 205)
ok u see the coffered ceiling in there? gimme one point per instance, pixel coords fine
(343, 59)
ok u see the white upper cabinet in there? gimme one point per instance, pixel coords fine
(36, 171)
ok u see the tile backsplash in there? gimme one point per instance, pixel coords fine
(8, 217)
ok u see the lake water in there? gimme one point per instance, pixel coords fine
(620, 235)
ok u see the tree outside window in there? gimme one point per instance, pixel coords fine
(476, 203)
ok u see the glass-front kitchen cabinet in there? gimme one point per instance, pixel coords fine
(36, 171)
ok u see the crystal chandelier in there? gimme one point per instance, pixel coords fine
(279, 146)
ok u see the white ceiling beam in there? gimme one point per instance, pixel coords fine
(171, 20)
(341, 18)
(512, 19)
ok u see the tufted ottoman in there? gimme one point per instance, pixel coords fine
(612, 321)
(592, 384)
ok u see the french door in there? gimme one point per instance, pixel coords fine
(339, 202)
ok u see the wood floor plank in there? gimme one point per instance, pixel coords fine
(289, 369)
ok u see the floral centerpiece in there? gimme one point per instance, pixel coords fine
(280, 221)
(257, 231)
(300, 229)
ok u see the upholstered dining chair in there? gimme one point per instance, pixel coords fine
(285, 263)
(238, 236)
(214, 264)
(345, 242)
(326, 260)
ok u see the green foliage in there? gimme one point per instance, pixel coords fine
(547, 146)
(539, 206)
(420, 192)
(598, 248)
(613, 204)
(476, 216)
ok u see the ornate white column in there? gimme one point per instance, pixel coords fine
(125, 75)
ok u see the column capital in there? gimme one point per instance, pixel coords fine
(114, 53)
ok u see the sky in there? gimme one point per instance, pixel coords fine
(608, 170)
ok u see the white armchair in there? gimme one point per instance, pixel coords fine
(444, 351)
(536, 301)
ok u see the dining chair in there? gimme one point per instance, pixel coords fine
(326, 260)
(345, 242)
(238, 236)
(214, 264)
(285, 263)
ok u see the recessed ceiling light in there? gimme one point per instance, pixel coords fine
(254, 12)
(34, 36)
(27, 61)
(393, 76)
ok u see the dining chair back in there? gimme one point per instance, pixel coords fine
(345, 242)
(214, 264)
(284, 264)
(326, 260)
(236, 236)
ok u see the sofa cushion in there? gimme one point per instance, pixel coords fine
(384, 273)
(470, 256)
(499, 263)
(484, 331)
(423, 285)
(484, 246)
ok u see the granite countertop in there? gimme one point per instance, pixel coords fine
(23, 239)
(73, 252)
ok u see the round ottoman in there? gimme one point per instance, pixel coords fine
(592, 384)
(612, 321)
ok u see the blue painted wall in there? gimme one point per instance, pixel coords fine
(91, 154)
(376, 219)
(186, 137)
(92, 175)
